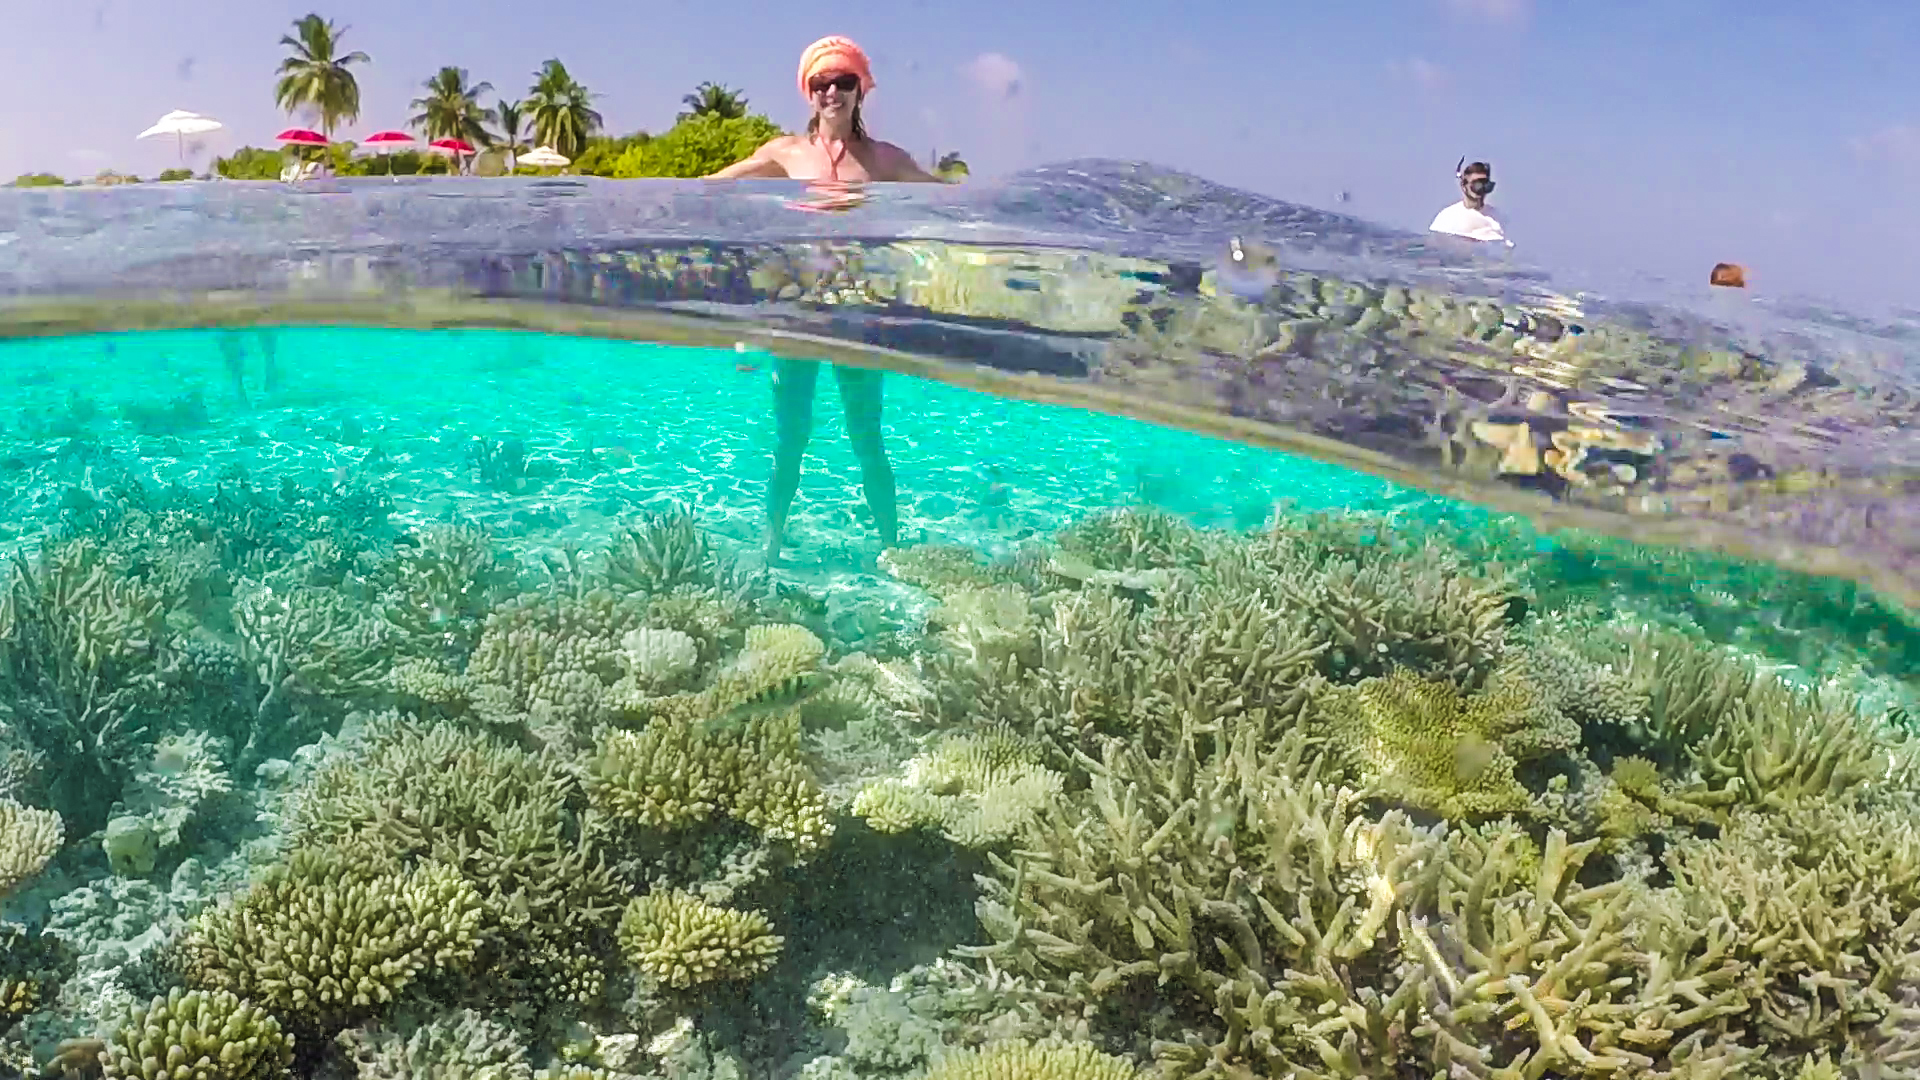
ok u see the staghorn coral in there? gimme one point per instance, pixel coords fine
(80, 649)
(446, 578)
(1426, 743)
(198, 1035)
(332, 936)
(1243, 915)
(979, 790)
(682, 941)
(1819, 905)
(310, 650)
(1014, 1060)
(663, 551)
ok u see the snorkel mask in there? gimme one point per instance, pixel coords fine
(1479, 187)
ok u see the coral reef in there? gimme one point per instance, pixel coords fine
(198, 1035)
(681, 941)
(332, 936)
(1341, 797)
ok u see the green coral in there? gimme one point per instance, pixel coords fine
(332, 936)
(1428, 744)
(1013, 1060)
(198, 1035)
(682, 941)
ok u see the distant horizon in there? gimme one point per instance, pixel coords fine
(1636, 139)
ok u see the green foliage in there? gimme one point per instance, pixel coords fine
(251, 163)
(697, 146)
(38, 180)
(317, 76)
(951, 166)
(604, 152)
(168, 176)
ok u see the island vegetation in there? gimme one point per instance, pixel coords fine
(318, 79)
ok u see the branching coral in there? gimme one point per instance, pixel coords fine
(1027, 1061)
(682, 941)
(507, 820)
(80, 647)
(198, 1035)
(678, 772)
(331, 936)
(28, 838)
(979, 790)
(445, 581)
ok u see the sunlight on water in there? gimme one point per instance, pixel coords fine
(389, 689)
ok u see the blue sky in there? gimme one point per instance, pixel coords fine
(1626, 135)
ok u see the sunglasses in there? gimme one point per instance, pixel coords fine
(846, 84)
(1479, 185)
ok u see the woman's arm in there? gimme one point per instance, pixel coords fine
(761, 163)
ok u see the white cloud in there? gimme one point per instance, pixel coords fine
(996, 74)
(1423, 73)
(1896, 144)
(1505, 11)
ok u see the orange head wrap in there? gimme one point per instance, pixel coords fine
(834, 55)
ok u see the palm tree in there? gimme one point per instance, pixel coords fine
(315, 77)
(712, 99)
(561, 110)
(950, 166)
(451, 108)
(510, 118)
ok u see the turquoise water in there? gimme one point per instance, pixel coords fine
(425, 704)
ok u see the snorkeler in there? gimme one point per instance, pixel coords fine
(1469, 216)
(835, 78)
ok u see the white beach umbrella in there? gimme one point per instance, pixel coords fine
(545, 157)
(180, 123)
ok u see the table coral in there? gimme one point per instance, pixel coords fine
(1426, 743)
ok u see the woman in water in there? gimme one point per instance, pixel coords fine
(835, 77)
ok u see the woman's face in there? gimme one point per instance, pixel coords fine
(834, 94)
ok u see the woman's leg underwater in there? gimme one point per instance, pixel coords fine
(860, 397)
(793, 382)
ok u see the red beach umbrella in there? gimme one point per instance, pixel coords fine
(300, 137)
(387, 139)
(452, 146)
